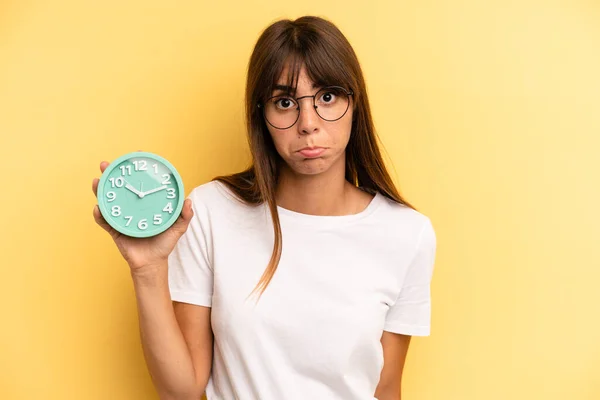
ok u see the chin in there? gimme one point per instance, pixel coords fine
(313, 166)
(310, 167)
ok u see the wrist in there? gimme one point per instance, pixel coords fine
(150, 274)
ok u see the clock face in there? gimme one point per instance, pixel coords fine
(140, 194)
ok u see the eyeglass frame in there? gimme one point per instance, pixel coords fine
(348, 93)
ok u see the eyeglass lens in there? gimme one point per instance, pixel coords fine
(282, 111)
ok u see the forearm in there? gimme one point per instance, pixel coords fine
(391, 396)
(388, 393)
(167, 356)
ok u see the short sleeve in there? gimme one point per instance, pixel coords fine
(190, 269)
(411, 313)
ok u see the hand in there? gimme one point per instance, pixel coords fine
(145, 253)
(153, 190)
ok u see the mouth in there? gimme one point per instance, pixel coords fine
(312, 152)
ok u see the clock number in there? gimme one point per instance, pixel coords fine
(171, 193)
(167, 179)
(128, 220)
(140, 165)
(111, 196)
(157, 219)
(118, 182)
(168, 208)
(143, 224)
(125, 167)
(116, 211)
(155, 166)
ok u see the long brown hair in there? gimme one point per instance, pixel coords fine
(329, 60)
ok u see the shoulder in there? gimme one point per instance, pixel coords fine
(213, 193)
(401, 220)
(215, 199)
(400, 214)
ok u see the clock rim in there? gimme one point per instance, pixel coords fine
(102, 204)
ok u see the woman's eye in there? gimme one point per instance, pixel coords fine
(284, 103)
(328, 97)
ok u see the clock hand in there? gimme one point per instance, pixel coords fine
(134, 190)
(154, 190)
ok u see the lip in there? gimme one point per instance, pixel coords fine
(312, 152)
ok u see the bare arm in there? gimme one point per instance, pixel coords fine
(176, 338)
(395, 348)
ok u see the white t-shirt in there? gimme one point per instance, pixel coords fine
(315, 332)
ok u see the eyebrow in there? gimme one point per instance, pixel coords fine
(289, 89)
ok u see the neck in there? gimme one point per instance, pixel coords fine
(327, 193)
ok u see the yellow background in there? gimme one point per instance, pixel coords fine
(490, 115)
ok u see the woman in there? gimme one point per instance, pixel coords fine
(304, 276)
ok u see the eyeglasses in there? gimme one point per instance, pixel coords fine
(282, 111)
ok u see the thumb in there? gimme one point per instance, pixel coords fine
(185, 217)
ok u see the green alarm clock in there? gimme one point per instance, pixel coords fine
(140, 194)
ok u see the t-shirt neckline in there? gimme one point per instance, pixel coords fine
(331, 219)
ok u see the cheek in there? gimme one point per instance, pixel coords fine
(342, 135)
(346, 127)
(280, 142)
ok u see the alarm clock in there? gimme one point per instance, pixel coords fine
(140, 194)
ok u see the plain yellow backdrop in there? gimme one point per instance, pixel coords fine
(489, 112)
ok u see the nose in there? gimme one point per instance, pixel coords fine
(308, 121)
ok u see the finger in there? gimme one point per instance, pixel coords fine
(104, 165)
(101, 221)
(184, 218)
(95, 186)
(187, 210)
